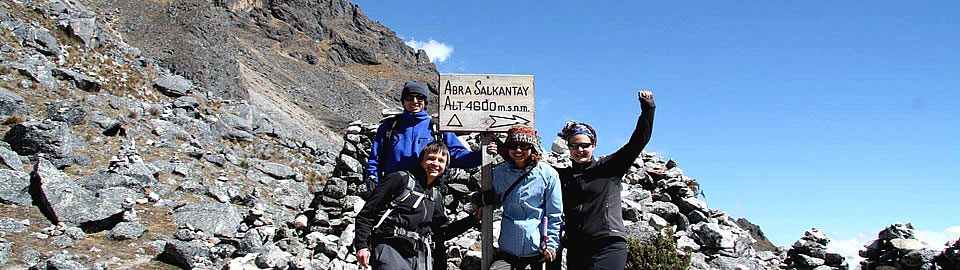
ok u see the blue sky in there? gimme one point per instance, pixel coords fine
(838, 115)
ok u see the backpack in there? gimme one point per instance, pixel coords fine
(406, 193)
(434, 129)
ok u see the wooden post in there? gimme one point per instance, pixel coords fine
(486, 229)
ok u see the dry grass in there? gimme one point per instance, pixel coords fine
(154, 111)
(314, 181)
(14, 120)
(96, 247)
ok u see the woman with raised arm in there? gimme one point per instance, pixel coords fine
(593, 223)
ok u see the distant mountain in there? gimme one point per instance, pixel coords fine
(319, 63)
(762, 244)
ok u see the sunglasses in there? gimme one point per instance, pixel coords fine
(412, 97)
(579, 145)
(523, 147)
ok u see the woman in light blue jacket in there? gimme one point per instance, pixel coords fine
(530, 194)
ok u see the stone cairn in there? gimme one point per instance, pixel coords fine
(950, 258)
(897, 248)
(810, 252)
(657, 198)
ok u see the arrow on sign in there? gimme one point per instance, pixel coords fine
(514, 120)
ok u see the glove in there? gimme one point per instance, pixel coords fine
(483, 198)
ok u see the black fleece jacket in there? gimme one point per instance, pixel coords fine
(591, 190)
(426, 219)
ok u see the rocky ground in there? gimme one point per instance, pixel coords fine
(225, 134)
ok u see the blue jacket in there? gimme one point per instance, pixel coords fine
(538, 195)
(412, 134)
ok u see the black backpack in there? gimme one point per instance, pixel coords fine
(406, 193)
(434, 129)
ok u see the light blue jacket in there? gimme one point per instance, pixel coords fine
(538, 195)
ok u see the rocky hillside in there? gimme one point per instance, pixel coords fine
(313, 64)
(231, 134)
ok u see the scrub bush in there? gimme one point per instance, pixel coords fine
(660, 252)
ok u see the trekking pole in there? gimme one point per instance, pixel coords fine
(543, 238)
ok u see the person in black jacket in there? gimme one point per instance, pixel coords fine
(595, 235)
(396, 226)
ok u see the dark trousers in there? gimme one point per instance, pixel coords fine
(504, 261)
(557, 263)
(385, 257)
(596, 254)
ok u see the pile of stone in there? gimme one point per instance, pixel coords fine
(657, 199)
(950, 258)
(810, 252)
(897, 248)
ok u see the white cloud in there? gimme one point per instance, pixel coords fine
(851, 247)
(438, 51)
(936, 240)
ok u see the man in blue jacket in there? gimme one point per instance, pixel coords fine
(399, 139)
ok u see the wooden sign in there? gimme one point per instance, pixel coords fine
(485, 102)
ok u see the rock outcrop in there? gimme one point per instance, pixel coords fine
(897, 248)
(810, 252)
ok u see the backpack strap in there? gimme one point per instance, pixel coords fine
(405, 193)
(515, 183)
(392, 131)
(435, 130)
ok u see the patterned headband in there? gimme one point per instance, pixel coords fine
(579, 129)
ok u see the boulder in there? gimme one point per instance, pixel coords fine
(10, 225)
(817, 236)
(173, 85)
(294, 195)
(895, 231)
(663, 209)
(274, 258)
(119, 195)
(85, 29)
(185, 254)
(108, 180)
(5, 250)
(12, 104)
(127, 230)
(81, 81)
(39, 38)
(168, 131)
(37, 68)
(714, 236)
(15, 188)
(688, 204)
(211, 218)
(9, 159)
(53, 139)
(186, 102)
(62, 241)
(349, 164)
(105, 124)
(30, 257)
(907, 244)
(67, 111)
(63, 200)
(232, 127)
(59, 262)
(276, 170)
